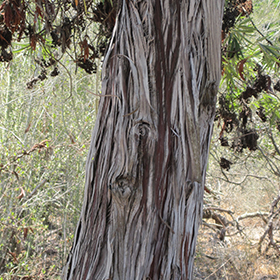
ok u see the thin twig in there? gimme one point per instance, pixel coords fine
(36, 188)
(277, 173)
(13, 134)
(103, 95)
(214, 272)
(219, 209)
(273, 142)
(253, 215)
(269, 42)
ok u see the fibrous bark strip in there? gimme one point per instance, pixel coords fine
(147, 162)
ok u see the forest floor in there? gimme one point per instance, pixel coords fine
(228, 246)
(235, 258)
(237, 247)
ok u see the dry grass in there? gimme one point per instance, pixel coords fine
(235, 258)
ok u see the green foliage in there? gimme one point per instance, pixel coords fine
(245, 171)
(45, 135)
(249, 100)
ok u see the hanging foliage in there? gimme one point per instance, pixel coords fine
(248, 101)
(81, 27)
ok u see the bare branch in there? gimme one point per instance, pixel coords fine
(42, 183)
(271, 163)
(253, 215)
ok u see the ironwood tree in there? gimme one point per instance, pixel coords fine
(147, 162)
(146, 167)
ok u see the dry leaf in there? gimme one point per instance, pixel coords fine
(25, 231)
(14, 256)
(27, 129)
(22, 193)
(15, 173)
(33, 41)
(240, 67)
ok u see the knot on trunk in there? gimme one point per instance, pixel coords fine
(122, 188)
(144, 136)
(141, 130)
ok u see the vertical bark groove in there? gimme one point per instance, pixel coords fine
(147, 162)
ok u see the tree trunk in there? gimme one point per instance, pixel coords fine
(146, 167)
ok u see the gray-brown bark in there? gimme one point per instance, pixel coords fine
(147, 162)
